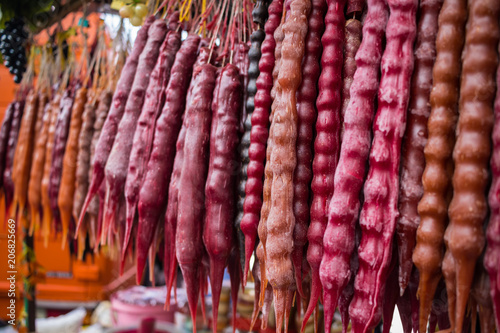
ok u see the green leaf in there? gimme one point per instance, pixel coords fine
(6, 14)
(44, 7)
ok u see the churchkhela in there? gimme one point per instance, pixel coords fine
(330, 154)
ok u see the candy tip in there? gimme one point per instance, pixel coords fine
(279, 307)
(216, 277)
(249, 247)
(315, 293)
(191, 276)
(330, 304)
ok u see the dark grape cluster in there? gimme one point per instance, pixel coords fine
(12, 40)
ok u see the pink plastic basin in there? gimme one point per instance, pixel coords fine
(129, 313)
(147, 326)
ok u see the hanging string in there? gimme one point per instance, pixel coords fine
(185, 10)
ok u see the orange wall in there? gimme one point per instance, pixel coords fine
(71, 21)
(7, 89)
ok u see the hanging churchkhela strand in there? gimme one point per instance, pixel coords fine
(436, 179)
(379, 213)
(226, 141)
(335, 270)
(471, 155)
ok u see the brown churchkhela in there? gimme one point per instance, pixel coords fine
(67, 188)
(282, 162)
(36, 173)
(23, 154)
(268, 173)
(436, 179)
(413, 159)
(464, 235)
